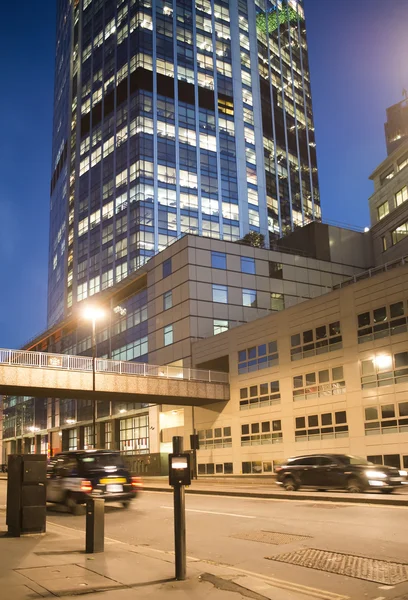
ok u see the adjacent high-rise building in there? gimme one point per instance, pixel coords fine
(174, 117)
(396, 126)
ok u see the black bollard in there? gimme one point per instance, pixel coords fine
(95, 525)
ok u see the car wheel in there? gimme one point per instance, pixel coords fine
(354, 486)
(289, 484)
(387, 490)
(72, 506)
(126, 503)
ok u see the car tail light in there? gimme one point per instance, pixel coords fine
(277, 469)
(137, 482)
(86, 486)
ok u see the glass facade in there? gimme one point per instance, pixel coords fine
(172, 118)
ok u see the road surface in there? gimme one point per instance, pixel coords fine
(219, 528)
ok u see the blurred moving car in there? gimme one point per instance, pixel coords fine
(338, 471)
(75, 475)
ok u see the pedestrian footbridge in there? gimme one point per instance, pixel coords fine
(42, 374)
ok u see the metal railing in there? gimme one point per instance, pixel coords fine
(372, 272)
(26, 358)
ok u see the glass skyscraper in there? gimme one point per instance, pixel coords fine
(174, 117)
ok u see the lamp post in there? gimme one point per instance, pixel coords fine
(93, 314)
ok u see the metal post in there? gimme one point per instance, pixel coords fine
(93, 380)
(195, 473)
(180, 531)
(95, 525)
(179, 519)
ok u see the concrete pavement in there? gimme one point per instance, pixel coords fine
(231, 541)
(54, 565)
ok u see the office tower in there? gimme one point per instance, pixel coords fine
(396, 126)
(173, 118)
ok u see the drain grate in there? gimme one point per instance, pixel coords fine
(271, 537)
(360, 567)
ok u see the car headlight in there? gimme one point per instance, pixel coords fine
(375, 475)
(403, 473)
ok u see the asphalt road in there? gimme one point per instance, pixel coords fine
(213, 522)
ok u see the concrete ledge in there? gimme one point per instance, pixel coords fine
(338, 498)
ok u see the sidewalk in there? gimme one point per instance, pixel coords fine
(269, 490)
(55, 565)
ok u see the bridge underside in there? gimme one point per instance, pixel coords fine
(49, 383)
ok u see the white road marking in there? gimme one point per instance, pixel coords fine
(386, 587)
(212, 512)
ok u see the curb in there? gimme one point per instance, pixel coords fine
(282, 496)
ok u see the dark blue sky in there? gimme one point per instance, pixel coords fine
(358, 55)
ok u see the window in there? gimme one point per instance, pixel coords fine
(325, 338)
(220, 437)
(403, 162)
(249, 298)
(321, 426)
(208, 469)
(277, 301)
(384, 243)
(220, 293)
(218, 260)
(382, 322)
(328, 382)
(108, 435)
(257, 467)
(387, 175)
(383, 210)
(72, 439)
(384, 369)
(258, 357)
(267, 432)
(266, 394)
(168, 335)
(220, 325)
(386, 418)
(275, 270)
(401, 196)
(167, 268)
(400, 233)
(247, 265)
(134, 435)
(167, 300)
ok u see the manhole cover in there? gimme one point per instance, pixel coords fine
(271, 537)
(360, 567)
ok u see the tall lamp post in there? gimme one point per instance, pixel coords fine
(93, 314)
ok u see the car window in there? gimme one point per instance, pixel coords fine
(306, 460)
(326, 460)
(354, 460)
(98, 462)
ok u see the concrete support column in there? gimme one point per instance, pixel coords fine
(116, 434)
(81, 437)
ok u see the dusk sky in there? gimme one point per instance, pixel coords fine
(358, 55)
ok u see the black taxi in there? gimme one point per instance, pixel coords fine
(77, 474)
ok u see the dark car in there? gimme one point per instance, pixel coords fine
(75, 475)
(338, 471)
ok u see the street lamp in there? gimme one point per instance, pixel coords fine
(93, 314)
